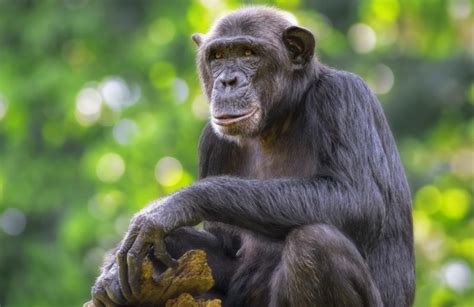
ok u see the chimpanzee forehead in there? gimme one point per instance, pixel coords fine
(263, 22)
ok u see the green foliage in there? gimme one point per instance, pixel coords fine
(101, 111)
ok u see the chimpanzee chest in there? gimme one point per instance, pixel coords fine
(259, 162)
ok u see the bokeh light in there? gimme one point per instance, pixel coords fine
(117, 94)
(161, 31)
(428, 199)
(181, 90)
(381, 79)
(105, 205)
(200, 107)
(214, 5)
(459, 9)
(422, 226)
(113, 93)
(434, 247)
(462, 163)
(124, 131)
(168, 171)
(110, 167)
(457, 275)
(455, 203)
(3, 107)
(362, 38)
(13, 221)
(88, 106)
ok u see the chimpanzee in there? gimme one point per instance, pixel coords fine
(301, 190)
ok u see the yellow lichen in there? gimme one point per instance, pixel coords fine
(186, 300)
(176, 286)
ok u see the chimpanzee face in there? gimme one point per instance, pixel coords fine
(246, 63)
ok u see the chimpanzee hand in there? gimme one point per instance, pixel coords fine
(147, 230)
(106, 290)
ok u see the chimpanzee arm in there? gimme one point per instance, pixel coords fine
(347, 126)
(273, 207)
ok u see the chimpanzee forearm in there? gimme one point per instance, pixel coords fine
(273, 207)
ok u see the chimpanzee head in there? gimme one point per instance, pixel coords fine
(253, 64)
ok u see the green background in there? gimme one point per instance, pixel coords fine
(101, 111)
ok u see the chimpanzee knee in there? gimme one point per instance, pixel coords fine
(320, 266)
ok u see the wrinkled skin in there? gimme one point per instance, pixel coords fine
(301, 188)
(106, 290)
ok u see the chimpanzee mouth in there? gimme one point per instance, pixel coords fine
(227, 119)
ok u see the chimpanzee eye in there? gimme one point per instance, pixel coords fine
(248, 52)
(218, 55)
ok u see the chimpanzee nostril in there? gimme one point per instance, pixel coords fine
(229, 81)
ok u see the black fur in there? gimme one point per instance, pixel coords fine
(306, 203)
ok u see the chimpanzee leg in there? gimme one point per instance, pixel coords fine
(322, 267)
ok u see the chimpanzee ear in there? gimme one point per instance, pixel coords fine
(197, 38)
(300, 44)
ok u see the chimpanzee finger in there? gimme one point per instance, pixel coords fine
(123, 267)
(135, 257)
(100, 298)
(161, 253)
(115, 293)
(108, 302)
(97, 302)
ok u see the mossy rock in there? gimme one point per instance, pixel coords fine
(176, 286)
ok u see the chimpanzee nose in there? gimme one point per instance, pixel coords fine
(229, 80)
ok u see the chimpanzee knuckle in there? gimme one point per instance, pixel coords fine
(113, 287)
(149, 224)
(131, 257)
(148, 219)
(121, 255)
(115, 293)
(97, 303)
(108, 278)
(139, 218)
(146, 216)
(153, 229)
(136, 221)
(146, 222)
(113, 271)
(98, 290)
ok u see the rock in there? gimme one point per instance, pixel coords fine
(186, 300)
(176, 286)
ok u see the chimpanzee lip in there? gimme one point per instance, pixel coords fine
(230, 119)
